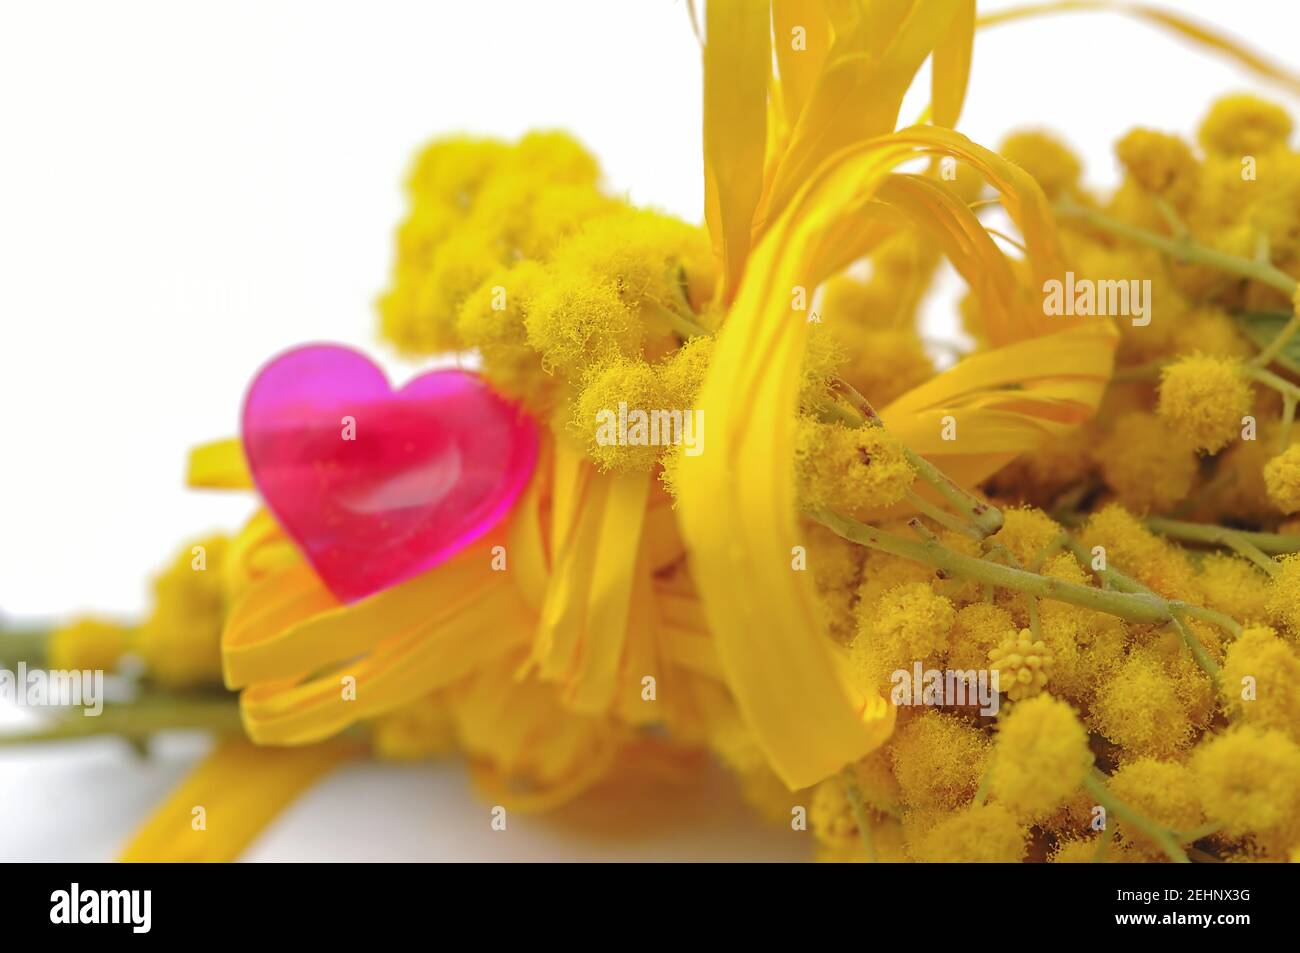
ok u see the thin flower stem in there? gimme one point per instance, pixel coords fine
(1196, 833)
(136, 720)
(941, 516)
(1280, 340)
(1245, 548)
(1202, 657)
(1118, 580)
(1271, 543)
(1053, 546)
(1288, 420)
(1184, 249)
(1105, 839)
(681, 325)
(985, 518)
(1135, 607)
(1279, 384)
(1172, 218)
(22, 645)
(1213, 616)
(1095, 784)
(920, 529)
(1035, 626)
(860, 816)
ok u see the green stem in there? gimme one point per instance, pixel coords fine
(1279, 384)
(1196, 833)
(1288, 420)
(1251, 552)
(1213, 616)
(985, 518)
(1104, 838)
(1185, 249)
(860, 816)
(1272, 543)
(1135, 607)
(986, 780)
(136, 720)
(22, 645)
(1095, 785)
(1202, 657)
(941, 516)
(1280, 340)
(680, 324)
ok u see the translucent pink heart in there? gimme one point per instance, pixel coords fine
(377, 485)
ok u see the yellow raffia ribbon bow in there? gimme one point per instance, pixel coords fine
(828, 191)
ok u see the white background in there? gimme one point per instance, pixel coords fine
(187, 188)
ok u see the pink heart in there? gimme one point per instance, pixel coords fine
(377, 485)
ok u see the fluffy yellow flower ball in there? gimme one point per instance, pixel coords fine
(1260, 681)
(938, 760)
(1162, 164)
(979, 834)
(1026, 532)
(1040, 756)
(1244, 125)
(1142, 554)
(576, 322)
(1145, 467)
(1234, 585)
(980, 627)
(86, 644)
(1203, 400)
(646, 256)
(830, 815)
(180, 642)
(1046, 158)
(1282, 477)
(1162, 791)
(1142, 709)
(908, 623)
(1249, 781)
(1283, 602)
(853, 469)
(492, 319)
(620, 390)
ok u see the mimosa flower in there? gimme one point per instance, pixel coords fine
(87, 644)
(852, 512)
(1040, 756)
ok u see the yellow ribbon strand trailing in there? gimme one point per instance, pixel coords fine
(802, 40)
(219, 465)
(1197, 33)
(234, 793)
(737, 64)
(950, 69)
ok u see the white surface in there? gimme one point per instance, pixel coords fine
(82, 802)
(187, 188)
